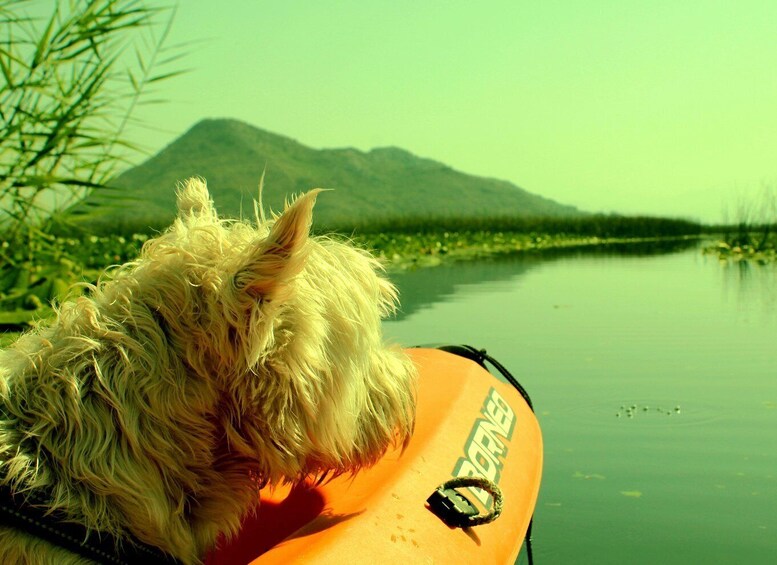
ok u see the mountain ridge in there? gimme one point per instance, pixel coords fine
(379, 185)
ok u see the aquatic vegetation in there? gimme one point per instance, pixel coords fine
(422, 249)
(759, 249)
(75, 258)
(414, 242)
(753, 235)
(588, 225)
(634, 411)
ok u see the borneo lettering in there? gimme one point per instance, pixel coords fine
(486, 448)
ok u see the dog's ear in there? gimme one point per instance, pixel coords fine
(194, 199)
(276, 259)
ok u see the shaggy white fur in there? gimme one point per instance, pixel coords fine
(228, 356)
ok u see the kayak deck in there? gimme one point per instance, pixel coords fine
(468, 423)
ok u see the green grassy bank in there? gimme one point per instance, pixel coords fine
(406, 251)
(31, 277)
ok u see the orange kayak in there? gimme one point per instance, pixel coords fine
(468, 422)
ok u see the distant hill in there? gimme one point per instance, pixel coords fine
(376, 186)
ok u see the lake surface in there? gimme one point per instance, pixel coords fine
(654, 378)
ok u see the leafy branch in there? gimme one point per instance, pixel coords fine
(70, 84)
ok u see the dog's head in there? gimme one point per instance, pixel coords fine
(228, 355)
(284, 329)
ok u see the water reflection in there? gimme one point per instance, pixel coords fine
(754, 285)
(653, 375)
(424, 287)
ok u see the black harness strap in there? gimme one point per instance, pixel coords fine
(28, 512)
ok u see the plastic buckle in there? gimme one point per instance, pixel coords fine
(452, 507)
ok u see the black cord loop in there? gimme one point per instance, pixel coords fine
(467, 521)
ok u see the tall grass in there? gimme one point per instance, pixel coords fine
(596, 225)
(404, 241)
(70, 84)
(753, 234)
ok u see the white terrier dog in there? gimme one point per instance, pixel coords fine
(228, 356)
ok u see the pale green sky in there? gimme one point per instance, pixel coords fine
(637, 107)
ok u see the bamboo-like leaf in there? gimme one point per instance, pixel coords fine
(165, 76)
(172, 59)
(6, 69)
(139, 60)
(133, 82)
(153, 101)
(43, 44)
(64, 104)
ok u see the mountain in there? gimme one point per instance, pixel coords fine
(381, 185)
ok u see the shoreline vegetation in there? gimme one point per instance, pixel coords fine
(37, 280)
(399, 245)
(745, 242)
(401, 251)
(758, 254)
(422, 242)
(753, 236)
(397, 251)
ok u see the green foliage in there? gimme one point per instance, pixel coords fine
(68, 260)
(410, 242)
(591, 225)
(753, 236)
(70, 84)
(8, 337)
(81, 258)
(402, 250)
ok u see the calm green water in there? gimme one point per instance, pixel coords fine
(687, 476)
